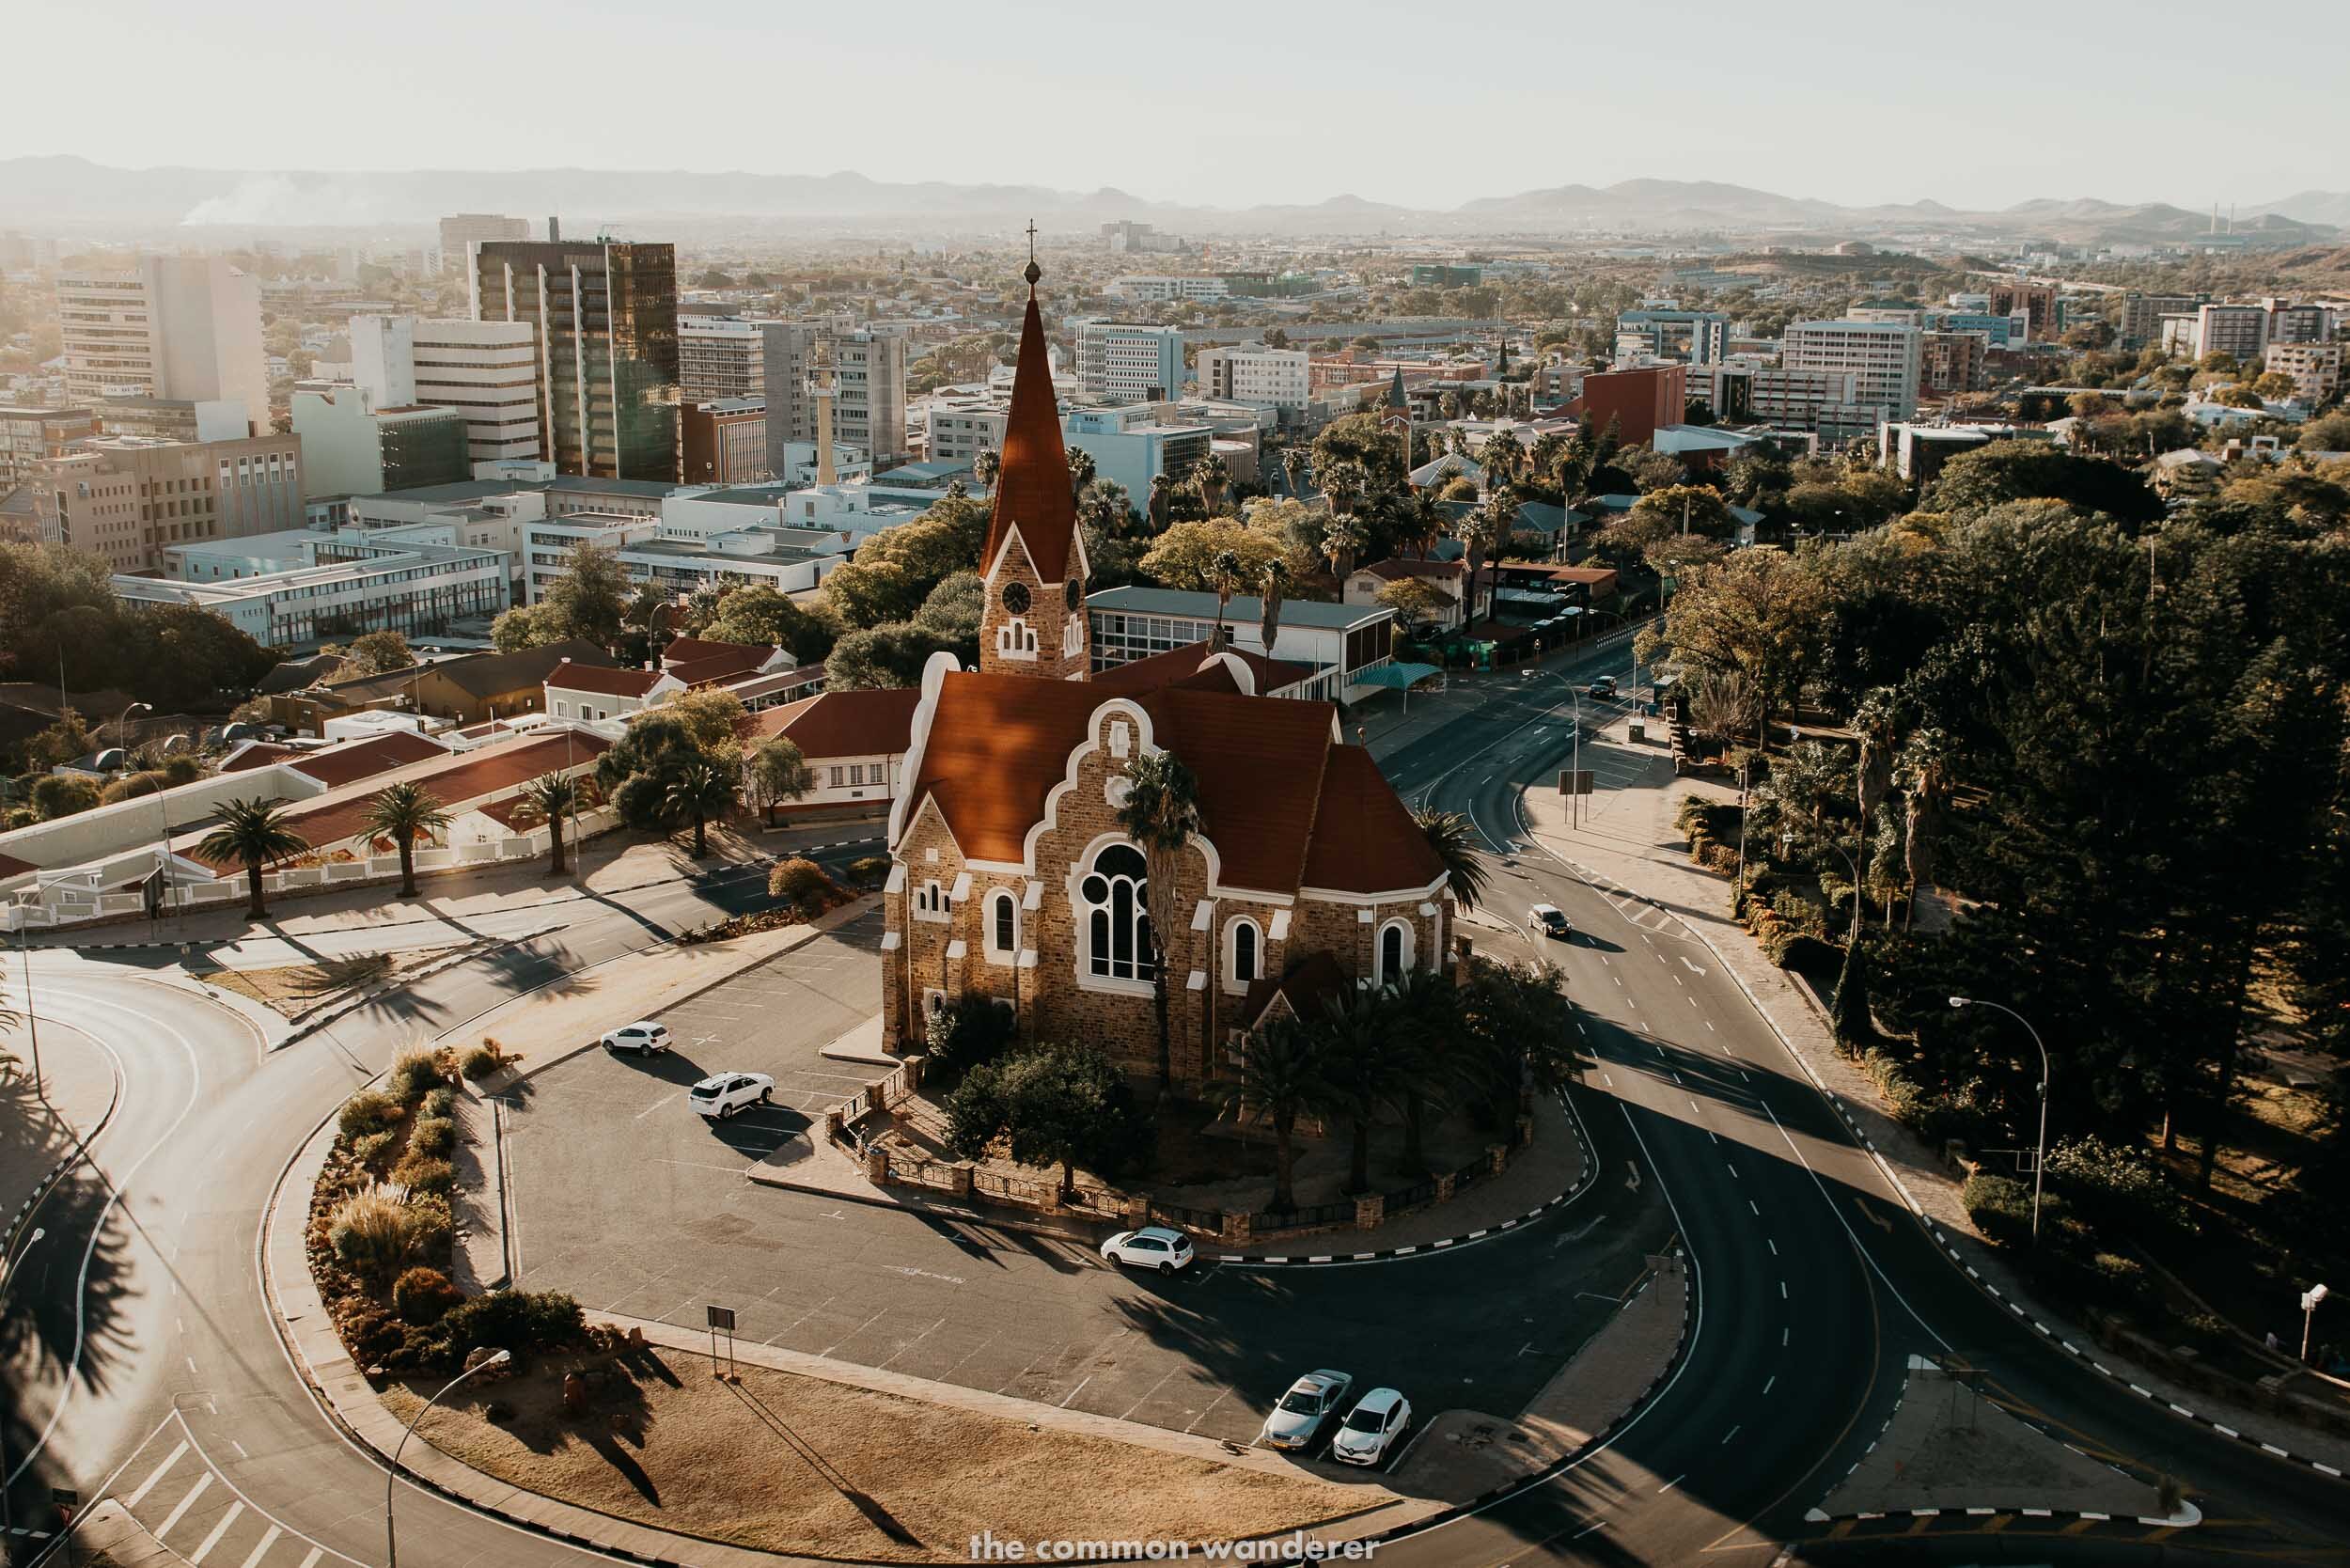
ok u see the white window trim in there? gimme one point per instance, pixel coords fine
(988, 906)
(931, 892)
(1379, 944)
(1233, 985)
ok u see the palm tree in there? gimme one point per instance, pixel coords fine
(1364, 1068)
(1212, 476)
(1280, 1080)
(403, 814)
(1343, 484)
(1342, 537)
(551, 798)
(1270, 586)
(1081, 470)
(252, 834)
(1223, 577)
(1454, 839)
(985, 465)
(699, 792)
(1501, 458)
(1481, 530)
(1162, 493)
(1298, 465)
(1424, 518)
(1160, 813)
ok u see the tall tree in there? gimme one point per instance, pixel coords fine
(1160, 812)
(779, 773)
(698, 792)
(1223, 576)
(1280, 1080)
(1271, 582)
(402, 814)
(552, 798)
(256, 835)
(1454, 839)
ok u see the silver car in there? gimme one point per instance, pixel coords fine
(1312, 1399)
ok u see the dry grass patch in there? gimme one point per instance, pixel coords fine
(297, 987)
(790, 1463)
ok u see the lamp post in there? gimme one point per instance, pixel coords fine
(2309, 1298)
(123, 719)
(2040, 1160)
(391, 1542)
(31, 1025)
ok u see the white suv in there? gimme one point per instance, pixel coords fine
(643, 1036)
(722, 1094)
(1157, 1246)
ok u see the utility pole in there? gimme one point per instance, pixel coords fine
(32, 1025)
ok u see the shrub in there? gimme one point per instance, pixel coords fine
(432, 1137)
(368, 1332)
(380, 1229)
(803, 886)
(2122, 1283)
(482, 1060)
(419, 1174)
(439, 1102)
(971, 1033)
(2000, 1206)
(414, 1075)
(366, 1151)
(424, 1295)
(2117, 1187)
(1720, 859)
(519, 1321)
(869, 871)
(370, 1110)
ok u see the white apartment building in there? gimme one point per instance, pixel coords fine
(462, 231)
(1882, 357)
(486, 370)
(1258, 376)
(960, 426)
(2240, 330)
(298, 587)
(720, 357)
(1158, 291)
(1128, 359)
(1783, 398)
(2315, 367)
(179, 327)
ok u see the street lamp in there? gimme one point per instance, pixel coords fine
(2309, 1298)
(2039, 1161)
(391, 1543)
(31, 1025)
(123, 719)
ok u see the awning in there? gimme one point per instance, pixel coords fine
(1402, 677)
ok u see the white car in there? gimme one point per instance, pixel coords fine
(1153, 1246)
(1312, 1400)
(722, 1094)
(1372, 1428)
(644, 1037)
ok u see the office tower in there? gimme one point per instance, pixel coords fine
(27, 435)
(486, 370)
(175, 327)
(1882, 357)
(720, 357)
(462, 231)
(869, 379)
(2037, 301)
(126, 497)
(1124, 359)
(605, 311)
(351, 446)
(2240, 330)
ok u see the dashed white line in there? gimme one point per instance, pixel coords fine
(148, 1485)
(220, 1527)
(203, 1485)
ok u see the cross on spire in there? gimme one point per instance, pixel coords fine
(1032, 272)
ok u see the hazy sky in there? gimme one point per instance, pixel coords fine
(1225, 105)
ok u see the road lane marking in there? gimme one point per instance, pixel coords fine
(203, 1485)
(220, 1527)
(268, 1540)
(148, 1484)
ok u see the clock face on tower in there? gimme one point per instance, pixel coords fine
(1016, 598)
(1073, 592)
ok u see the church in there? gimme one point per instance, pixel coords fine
(1010, 877)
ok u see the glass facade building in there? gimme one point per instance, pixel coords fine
(606, 318)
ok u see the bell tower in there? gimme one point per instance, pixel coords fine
(1035, 622)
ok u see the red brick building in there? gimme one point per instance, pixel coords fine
(1638, 401)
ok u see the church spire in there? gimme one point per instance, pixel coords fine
(1033, 493)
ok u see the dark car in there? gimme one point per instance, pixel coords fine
(1552, 922)
(1605, 686)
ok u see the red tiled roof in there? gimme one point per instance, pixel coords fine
(11, 866)
(684, 651)
(603, 683)
(1396, 566)
(257, 754)
(1033, 493)
(1189, 667)
(507, 814)
(718, 668)
(844, 722)
(338, 765)
(462, 781)
(999, 744)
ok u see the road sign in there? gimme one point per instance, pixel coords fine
(1573, 783)
(65, 1497)
(721, 1322)
(722, 1317)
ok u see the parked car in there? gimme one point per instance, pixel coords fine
(1153, 1246)
(1373, 1428)
(1296, 1421)
(1552, 922)
(722, 1094)
(644, 1037)
(1602, 687)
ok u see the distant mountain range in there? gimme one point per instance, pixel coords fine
(72, 195)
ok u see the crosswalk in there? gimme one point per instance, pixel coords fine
(190, 1505)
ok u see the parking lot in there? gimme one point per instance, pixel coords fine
(623, 1197)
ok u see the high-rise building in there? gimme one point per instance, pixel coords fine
(28, 436)
(720, 357)
(606, 318)
(2288, 322)
(1258, 376)
(723, 441)
(486, 370)
(2315, 370)
(1636, 402)
(127, 497)
(869, 379)
(1882, 357)
(462, 231)
(186, 327)
(1951, 361)
(2036, 299)
(2142, 314)
(1126, 359)
(353, 446)
(2240, 330)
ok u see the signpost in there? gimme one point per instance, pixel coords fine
(722, 1320)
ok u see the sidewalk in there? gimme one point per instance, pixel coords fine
(79, 1092)
(1626, 844)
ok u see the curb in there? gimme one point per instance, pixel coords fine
(1583, 1183)
(314, 1019)
(2187, 1518)
(1918, 1211)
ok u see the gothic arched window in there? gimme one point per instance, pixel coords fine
(1115, 898)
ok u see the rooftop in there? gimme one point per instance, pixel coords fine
(1243, 610)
